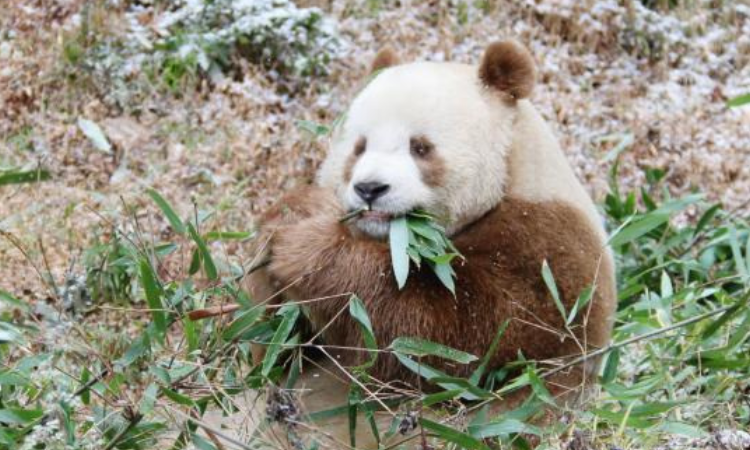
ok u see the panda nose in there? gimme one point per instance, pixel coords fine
(371, 190)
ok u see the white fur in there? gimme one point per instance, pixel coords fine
(469, 126)
(491, 148)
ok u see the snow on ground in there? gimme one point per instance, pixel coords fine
(607, 70)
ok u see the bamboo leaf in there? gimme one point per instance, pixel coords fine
(359, 313)
(463, 440)
(242, 323)
(174, 220)
(739, 101)
(153, 296)
(315, 129)
(205, 254)
(399, 242)
(549, 280)
(581, 303)
(280, 336)
(27, 176)
(503, 427)
(420, 347)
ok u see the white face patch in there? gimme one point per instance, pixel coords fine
(445, 103)
(386, 164)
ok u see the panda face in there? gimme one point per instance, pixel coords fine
(390, 172)
(420, 136)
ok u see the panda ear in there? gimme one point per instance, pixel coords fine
(508, 67)
(385, 58)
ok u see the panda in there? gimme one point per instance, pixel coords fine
(465, 144)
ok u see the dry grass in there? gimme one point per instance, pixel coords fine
(234, 147)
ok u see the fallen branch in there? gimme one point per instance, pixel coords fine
(213, 311)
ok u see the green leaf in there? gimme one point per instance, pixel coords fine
(86, 394)
(643, 224)
(205, 254)
(95, 135)
(174, 220)
(739, 101)
(399, 242)
(280, 336)
(195, 262)
(682, 429)
(739, 262)
(479, 371)
(549, 280)
(610, 368)
(29, 176)
(317, 130)
(638, 228)
(191, 335)
(501, 428)
(19, 416)
(445, 274)
(353, 400)
(620, 417)
(13, 378)
(420, 347)
(429, 373)
(153, 296)
(136, 350)
(452, 435)
(149, 398)
(9, 335)
(242, 323)
(539, 388)
(706, 218)
(227, 235)
(440, 397)
(581, 303)
(201, 443)
(177, 397)
(359, 313)
(6, 297)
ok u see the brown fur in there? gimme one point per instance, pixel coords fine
(351, 160)
(385, 58)
(500, 279)
(431, 165)
(508, 67)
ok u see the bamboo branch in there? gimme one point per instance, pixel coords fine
(351, 215)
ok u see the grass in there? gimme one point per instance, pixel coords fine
(677, 367)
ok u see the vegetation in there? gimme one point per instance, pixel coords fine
(680, 348)
(99, 274)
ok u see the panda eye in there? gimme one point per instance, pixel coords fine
(420, 146)
(360, 146)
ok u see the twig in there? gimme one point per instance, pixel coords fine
(213, 311)
(351, 215)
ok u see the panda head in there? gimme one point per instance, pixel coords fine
(429, 136)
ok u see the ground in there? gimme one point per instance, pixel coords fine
(618, 81)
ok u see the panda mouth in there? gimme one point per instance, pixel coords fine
(379, 216)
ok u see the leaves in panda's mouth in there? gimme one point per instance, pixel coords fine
(416, 237)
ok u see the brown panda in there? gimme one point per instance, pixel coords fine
(464, 144)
